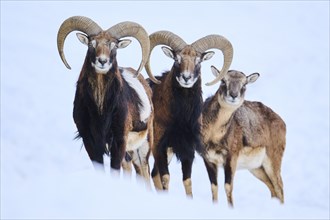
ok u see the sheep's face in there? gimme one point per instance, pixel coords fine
(233, 86)
(102, 49)
(188, 62)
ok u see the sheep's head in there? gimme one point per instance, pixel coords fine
(188, 58)
(102, 45)
(233, 85)
(102, 50)
(188, 61)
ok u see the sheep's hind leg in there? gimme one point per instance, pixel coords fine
(127, 163)
(275, 177)
(141, 164)
(261, 175)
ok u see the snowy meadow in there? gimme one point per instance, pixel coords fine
(46, 174)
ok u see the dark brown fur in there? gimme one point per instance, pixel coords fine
(106, 110)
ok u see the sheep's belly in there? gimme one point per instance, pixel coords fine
(251, 158)
(136, 139)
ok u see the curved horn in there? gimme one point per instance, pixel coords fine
(167, 38)
(75, 23)
(218, 42)
(132, 29)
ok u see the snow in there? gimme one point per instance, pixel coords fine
(46, 174)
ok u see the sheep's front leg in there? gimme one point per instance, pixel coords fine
(117, 153)
(162, 165)
(230, 168)
(212, 170)
(156, 177)
(94, 154)
(186, 171)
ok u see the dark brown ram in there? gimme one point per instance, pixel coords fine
(112, 110)
(178, 102)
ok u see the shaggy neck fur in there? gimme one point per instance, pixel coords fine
(183, 132)
(216, 118)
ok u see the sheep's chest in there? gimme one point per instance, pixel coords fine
(216, 155)
(99, 87)
(214, 133)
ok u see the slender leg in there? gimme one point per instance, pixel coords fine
(261, 175)
(275, 177)
(162, 165)
(212, 170)
(93, 145)
(156, 178)
(127, 163)
(230, 168)
(186, 171)
(117, 153)
(141, 164)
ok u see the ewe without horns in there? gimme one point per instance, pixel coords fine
(113, 111)
(178, 102)
(241, 134)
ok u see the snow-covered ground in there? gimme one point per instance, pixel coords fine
(45, 173)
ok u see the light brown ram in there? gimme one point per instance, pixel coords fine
(242, 134)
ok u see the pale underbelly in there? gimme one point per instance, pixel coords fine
(248, 158)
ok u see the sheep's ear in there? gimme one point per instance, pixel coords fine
(168, 52)
(216, 72)
(83, 38)
(207, 55)
(252, 78)
(123, 43)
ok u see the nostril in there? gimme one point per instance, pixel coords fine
(102, 61)
(186, 78)
(233, 95)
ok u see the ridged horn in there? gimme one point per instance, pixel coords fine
(132, 29)
(217, 42)
(166, 38)
(75, 23)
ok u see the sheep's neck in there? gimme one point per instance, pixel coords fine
(217, 128)
(100, 86)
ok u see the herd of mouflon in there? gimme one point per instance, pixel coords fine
(120, 113)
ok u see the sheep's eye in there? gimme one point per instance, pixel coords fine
(177, 59)
(197, 60)
(112, 45)
(93, 43)
(243, 88)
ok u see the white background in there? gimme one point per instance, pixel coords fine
(45, 173)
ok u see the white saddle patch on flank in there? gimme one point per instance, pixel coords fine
(145, 109)
(136, 139)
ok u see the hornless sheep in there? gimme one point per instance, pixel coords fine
(112, 110)
(241, 134)
(178, 103)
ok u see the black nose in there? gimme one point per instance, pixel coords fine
(102, 61)
(233, 94)
(186, 78)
